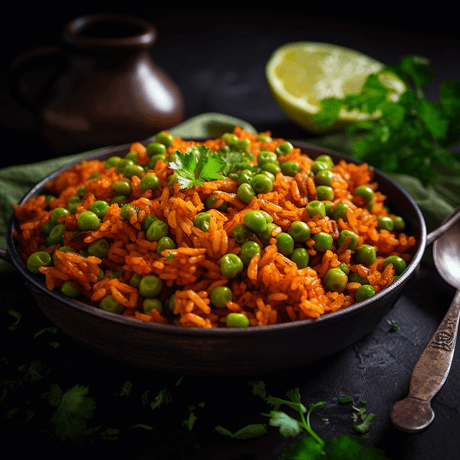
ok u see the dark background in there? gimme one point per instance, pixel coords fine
(217, 57)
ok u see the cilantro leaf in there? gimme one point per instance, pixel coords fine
(73, 408)
(16, 315)
(288, 426)
(197, 166)
(247, 432)
(163, 398)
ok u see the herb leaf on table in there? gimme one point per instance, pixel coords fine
(411, 135)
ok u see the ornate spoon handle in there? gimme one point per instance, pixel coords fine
(414, 413)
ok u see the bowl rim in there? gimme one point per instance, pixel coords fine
(38, 285)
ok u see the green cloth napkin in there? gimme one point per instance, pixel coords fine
(436, 201)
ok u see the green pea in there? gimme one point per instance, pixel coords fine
(121, 187)
(148, 220)
(290, 168)
(48, 226)
(353, 242)
(255, 221)
(355, 277)
(202, 220)
(69, 290)
(172, 303)
(242, 144)
(268, 217)
(150, 304)
(165, 138)
(99, 248)
(157, 230)
(119, 199)
(366, 193)
(111, 304)
(398, 224)
(121, 165)
(300, 257)
(212, 200)
(398, 263)
(245, 176)
(324, 177)
(263, 138)
(229, 138)
(72, 204)
(266, 235)
(364, 292)
(128, 210)
(245, 193)
(38, 259)
(100, 275)
(57, 213)
(150, 286)
(316, 208)
(56, 235)
(236, 320)
(323, 241)
(116, 275)
(284, 148)
(344, 267)
(248, 250)
(241, 233)
(366, 254)
(269, 175)
(317, 166)
(131, 156)
(285, 243)
(155, 158)
(325, 193)
(220, 296)
(133, 170)
(299, 231)
(339, 211)
(165, 243)
(111, 161)
(155, 148)
(135, 280)
(325, 159)
(335, 280)
(266, 156)
(385, 223)
(328, 206)
(100, 208)
(87, 220)
(49, 198)
(149, 182)
(261, 184)
(272, 168)
(231, 265)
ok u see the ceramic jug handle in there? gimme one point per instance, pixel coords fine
(32, 59)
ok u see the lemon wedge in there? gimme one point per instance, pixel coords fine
(301, 74)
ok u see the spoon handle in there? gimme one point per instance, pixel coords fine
(414, 413)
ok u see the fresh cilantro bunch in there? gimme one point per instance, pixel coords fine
(412, 135)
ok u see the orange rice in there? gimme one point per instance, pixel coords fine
(270, 290)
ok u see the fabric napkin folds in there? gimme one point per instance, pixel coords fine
(435, 201)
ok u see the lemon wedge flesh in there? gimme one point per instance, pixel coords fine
(301, 74)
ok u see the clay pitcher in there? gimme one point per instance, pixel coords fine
(105, 90)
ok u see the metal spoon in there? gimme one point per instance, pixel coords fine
(414, 413)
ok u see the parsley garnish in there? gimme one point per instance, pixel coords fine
(412, 135)
(197, 166)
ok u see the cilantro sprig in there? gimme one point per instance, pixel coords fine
(197, 166)
(412, 135)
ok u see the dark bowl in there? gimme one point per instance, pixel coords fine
(222, 351)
